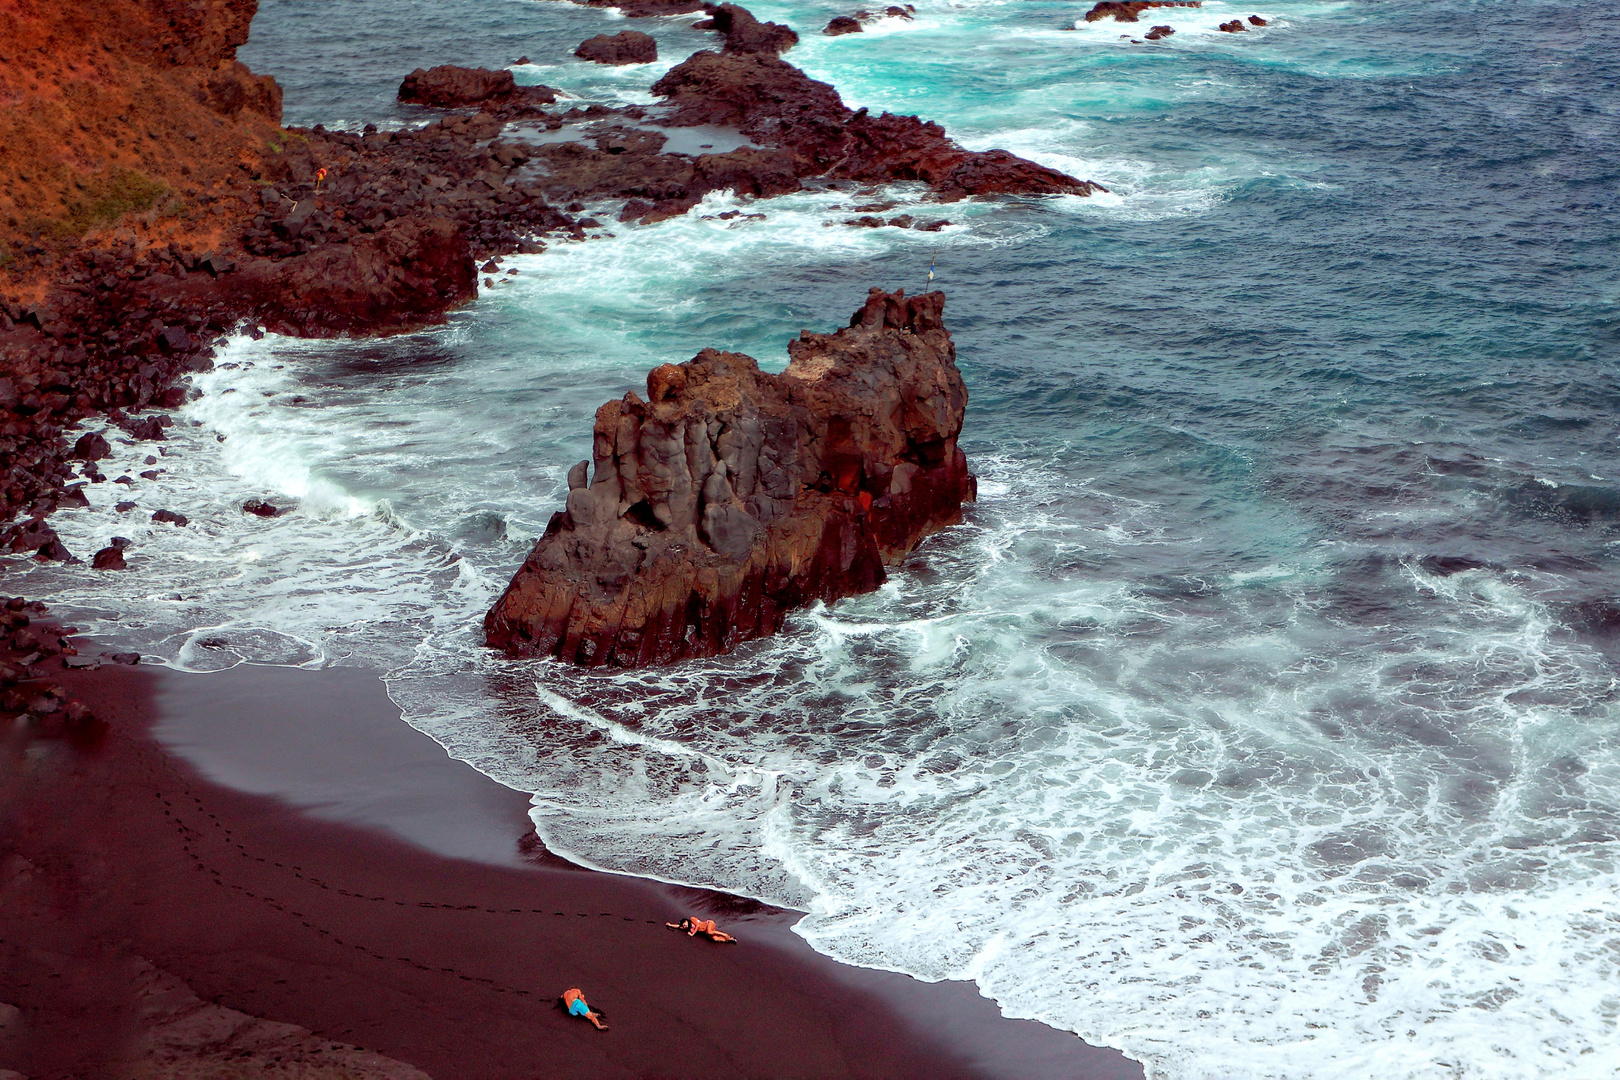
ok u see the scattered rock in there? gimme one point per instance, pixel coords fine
(1159, 32)
(260, 508)
(842, 24)
(124, 507)
(72, 496)
(1234, 27)
(169, 516)
(92, 446)
(625, 47)
(109, 558)
(1255, 20)
(149, 429)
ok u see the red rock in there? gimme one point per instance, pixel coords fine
(732, 496)
(1234, 27)
(625, 47)
(746, 34)
(843, 24)
(448, 86)
(109, 558)
(777, 104)
(92, 447)
(1159, 32)
(1256, 20)
(406, 273)
(1131, 10)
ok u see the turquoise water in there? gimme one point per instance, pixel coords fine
(1261, 718)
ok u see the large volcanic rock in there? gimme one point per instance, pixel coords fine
(1131, 10)
(625, 47)
(778, 105)
(448, 87)
(733, 496)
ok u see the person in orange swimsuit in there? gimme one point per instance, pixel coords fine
(693, 927)
(573, 1002)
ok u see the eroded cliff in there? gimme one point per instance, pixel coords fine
(731, 496)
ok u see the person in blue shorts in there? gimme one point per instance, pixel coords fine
(573, 1002)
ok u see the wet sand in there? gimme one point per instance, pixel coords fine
(284, 844)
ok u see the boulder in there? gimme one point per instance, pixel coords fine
(92, 447)
(746, 34)
(109, 558)
(1131, 10)
(406, 273)
(625, 47)
(260, 508)
(1159, 32)
(1234, 27)
(449, 87)
(777, 104)
(843, 24)
(730, 496)
(1255, 20)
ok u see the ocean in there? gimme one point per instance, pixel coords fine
(1262, 717)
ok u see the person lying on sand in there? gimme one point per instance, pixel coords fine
(573, 1002)
(702, 926)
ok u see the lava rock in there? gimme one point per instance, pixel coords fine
(149, 429)
(1234, 27)
(730, 496)
(92, 446)
(745, 34)
(109, 558)
(843, 24)
(625, 47)
(260, 508)
(1131, 10)
(169, 516)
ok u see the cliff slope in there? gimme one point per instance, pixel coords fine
(121, 105)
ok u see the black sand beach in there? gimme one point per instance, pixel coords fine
(283, 844)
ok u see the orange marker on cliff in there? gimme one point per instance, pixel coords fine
(320, 174)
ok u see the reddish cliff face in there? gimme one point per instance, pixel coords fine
(121, 105)
(731, 496)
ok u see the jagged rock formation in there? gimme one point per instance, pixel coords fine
(625, 47)
(816, 134)
(745, 34)
(1131, 10)
(731, 496)
(449, 87)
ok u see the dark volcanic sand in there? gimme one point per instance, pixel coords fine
(321, 896)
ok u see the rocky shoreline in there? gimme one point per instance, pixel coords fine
(315, 232)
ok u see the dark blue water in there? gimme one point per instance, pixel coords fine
(1267, 697)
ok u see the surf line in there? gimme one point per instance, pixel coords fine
(299, 872)
(739, 777)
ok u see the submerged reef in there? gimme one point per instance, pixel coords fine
(730, 496)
